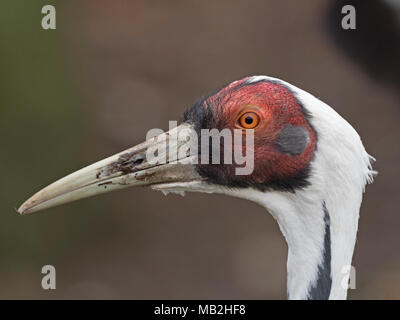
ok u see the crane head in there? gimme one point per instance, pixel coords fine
(282, 148)
(284, 141)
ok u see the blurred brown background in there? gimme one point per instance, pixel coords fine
(114, 69)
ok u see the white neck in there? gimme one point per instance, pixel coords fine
(320, 245)
(320, 229)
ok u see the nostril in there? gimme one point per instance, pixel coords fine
(128, 162)
(138, 159)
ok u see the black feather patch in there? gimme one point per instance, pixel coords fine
(321, 289)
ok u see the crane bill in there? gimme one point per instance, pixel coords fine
(131, 167)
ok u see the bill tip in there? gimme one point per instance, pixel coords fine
(23, 209)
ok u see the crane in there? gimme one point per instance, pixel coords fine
(310, 170)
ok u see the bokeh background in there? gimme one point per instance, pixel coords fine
(114, 69)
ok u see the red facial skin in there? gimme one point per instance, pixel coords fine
(276, 107)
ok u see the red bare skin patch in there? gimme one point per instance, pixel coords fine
(277, 107)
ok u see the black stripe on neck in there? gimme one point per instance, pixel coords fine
(321, 289)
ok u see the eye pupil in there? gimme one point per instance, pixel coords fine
(248, 120)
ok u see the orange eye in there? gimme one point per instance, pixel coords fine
(249, 120)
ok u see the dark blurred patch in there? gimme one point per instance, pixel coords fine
(375, 44)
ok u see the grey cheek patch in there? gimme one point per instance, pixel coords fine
(292, 140)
